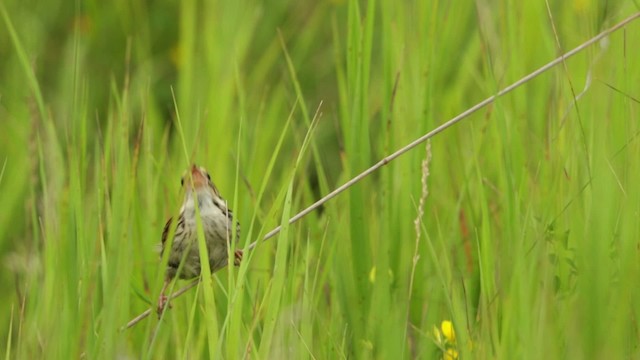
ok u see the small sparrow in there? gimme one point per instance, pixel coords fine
(217, 221)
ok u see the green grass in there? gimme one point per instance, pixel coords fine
(530, 234)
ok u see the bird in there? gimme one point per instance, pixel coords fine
(217, 221)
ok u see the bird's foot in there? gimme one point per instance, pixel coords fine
(238, 257)
(163, 302)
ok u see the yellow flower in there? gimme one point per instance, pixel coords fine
(450, 354)
(448, 332)
(372, 275)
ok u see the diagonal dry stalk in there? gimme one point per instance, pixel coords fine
(419, 141)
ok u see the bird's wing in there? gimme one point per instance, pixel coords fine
(165, 233)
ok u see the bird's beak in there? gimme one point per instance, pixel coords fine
(199, 179)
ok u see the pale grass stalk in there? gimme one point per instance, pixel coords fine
(418, 223)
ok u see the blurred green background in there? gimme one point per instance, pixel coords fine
(529, 239)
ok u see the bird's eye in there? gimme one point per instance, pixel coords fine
(181, 181)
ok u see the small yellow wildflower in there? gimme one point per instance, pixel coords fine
(450, 354)
(448, 332)
(367, 344)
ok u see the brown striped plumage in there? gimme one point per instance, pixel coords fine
(217, 220)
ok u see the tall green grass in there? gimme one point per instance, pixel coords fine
(529, 238)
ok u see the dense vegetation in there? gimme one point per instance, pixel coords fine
(518, 227)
